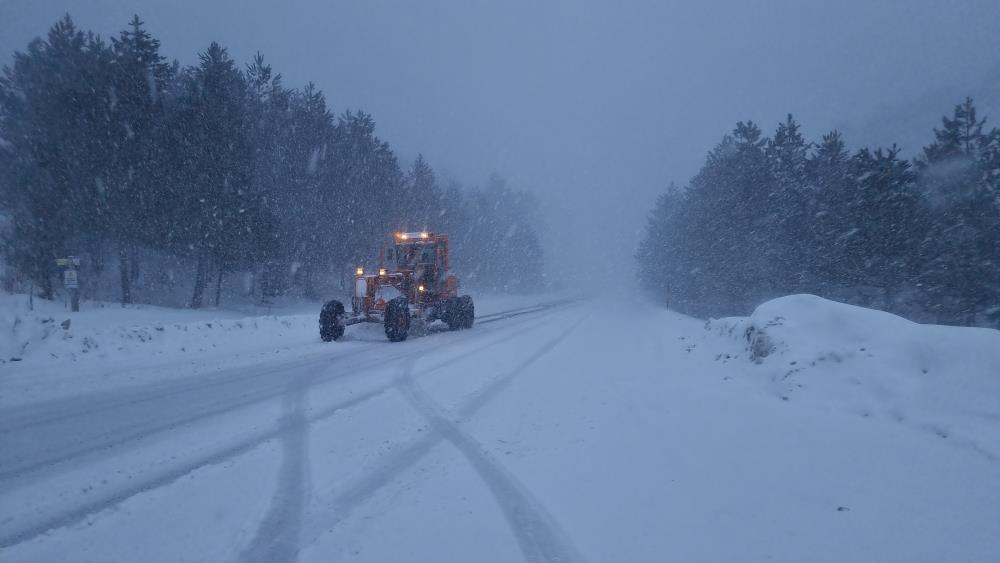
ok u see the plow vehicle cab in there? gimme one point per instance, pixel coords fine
(411, 285)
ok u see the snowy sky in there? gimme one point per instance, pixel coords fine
(593, 105)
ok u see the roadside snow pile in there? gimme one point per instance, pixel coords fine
(49, 333)
(47, 352)
(940, 379)
(110, 336)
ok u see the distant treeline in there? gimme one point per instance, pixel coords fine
(772, 216)
(109, 152)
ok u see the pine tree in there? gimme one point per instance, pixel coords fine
(960, 136)
(454, 217)
(420, 200)
(54, 101)
(315, 174)
(218, 155)
(504, 239)
(883, 250)
(959, 253)
(792, 202)
(733, 219)
(881, 232)
(829, 172)
(139, 77)
(366, 182)
(662, 255)
(109, 146)
(272, 135)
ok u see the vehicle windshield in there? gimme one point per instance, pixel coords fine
(409, 255)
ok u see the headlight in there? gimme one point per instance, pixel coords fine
(381, 271)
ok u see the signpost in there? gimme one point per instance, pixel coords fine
(71, 280)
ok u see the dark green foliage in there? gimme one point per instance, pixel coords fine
(53, 119)
(960, 258)
(767, 217)
(109, 149)
(501, 249)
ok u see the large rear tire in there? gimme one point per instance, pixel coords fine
(331, 321)
(397, 319)
(450, 314)
(466, 311)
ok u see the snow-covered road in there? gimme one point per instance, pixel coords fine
(565, 433)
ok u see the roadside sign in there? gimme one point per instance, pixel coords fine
(71, 279)
(70, 261)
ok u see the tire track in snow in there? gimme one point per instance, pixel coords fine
(194, 409)
(157, 478)
(192, 405)
(277, 536)
(32, 527)
(538, 535)
(55, 410)
(275, 540)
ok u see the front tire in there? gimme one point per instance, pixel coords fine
(397, 319)
(331, 321)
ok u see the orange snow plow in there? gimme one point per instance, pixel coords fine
(412, 285)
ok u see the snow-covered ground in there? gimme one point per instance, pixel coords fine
(46, 351)
(589, 431)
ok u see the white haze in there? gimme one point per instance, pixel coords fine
(593, 106)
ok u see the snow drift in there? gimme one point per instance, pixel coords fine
(111, 333)
(941, 379)
(47, 352)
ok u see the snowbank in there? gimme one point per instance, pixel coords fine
(46, 351)
(48, 332)
(938, 378)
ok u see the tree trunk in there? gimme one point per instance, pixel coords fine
(48, 292)
(126, 281)
(218, 286)
(199, 283)
(310, 291)
(135, 265)
(97, 260)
